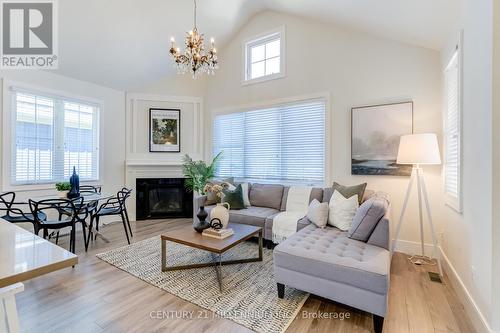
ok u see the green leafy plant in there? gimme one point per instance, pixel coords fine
(198, 173)
(65, 186)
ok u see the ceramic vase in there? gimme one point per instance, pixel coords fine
(221, 213)
(202, 223)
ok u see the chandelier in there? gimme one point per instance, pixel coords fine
(194, 59)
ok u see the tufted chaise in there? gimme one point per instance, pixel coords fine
(327, 263)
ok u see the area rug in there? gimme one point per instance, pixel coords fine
(249, 295)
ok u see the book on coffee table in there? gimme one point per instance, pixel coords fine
(219, 234)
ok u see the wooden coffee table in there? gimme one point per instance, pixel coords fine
(188, 236)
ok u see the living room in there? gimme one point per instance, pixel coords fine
(343, 152)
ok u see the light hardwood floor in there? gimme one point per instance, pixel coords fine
(97, 297)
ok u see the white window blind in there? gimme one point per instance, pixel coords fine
(279, 144)
(452, 133)
(51, 135)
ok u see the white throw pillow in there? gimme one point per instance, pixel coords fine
(246, 199)
(342, 210)
(318, 213)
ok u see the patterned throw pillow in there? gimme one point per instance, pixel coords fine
(234, 197)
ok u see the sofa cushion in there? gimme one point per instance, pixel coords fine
(346, 191)
(316, 193)
(266, 195)
(366, 218)
(329, 254)
(252, 215)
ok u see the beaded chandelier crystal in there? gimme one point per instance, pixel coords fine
(195, 59)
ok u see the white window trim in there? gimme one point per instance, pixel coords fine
(8, 87)
(277, 102)
(452, 202)
(258, 39)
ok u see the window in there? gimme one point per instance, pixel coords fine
(282, 144)
(51, 135)
(264, 57)
(452, 135)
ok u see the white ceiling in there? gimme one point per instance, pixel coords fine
(124, 44)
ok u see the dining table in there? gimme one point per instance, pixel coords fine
(24, 256)
(88, 199)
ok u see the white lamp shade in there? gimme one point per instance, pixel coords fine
(419, 149)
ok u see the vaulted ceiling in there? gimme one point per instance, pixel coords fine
(124, 44)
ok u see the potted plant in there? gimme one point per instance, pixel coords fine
(63, 189)
(198, 173)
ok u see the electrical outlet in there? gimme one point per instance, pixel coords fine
(473, 272)
(441, 238)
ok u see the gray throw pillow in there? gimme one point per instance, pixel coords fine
(367, 217)
(318, 213)
(346, 191)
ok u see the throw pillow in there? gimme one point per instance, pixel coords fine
(234, 197)
(246, 199)
(342, 210)
(318, 213)
(212, 197)
(349, 191)
(367, 218)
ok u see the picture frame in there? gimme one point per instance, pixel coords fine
(164, 130)
(375, 135)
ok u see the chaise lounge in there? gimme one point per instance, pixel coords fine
(322, 261)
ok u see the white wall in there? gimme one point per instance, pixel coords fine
(355, 69)
(468, 236)
(112, 114)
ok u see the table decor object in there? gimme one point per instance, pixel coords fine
(63, 189)
(74, 181)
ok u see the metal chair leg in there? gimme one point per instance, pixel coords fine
(84, 226)
(96, 226)
(125, 226)
(128, 222)
(57, 238)
(91, 234)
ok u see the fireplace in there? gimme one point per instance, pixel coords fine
(162, 198)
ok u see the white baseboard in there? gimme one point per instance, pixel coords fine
(475, 315)
(411, 248)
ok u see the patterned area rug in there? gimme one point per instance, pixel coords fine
(249, 294)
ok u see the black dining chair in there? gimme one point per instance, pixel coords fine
(13, 213)
(86, 190)
(56, 205)
(113, 206)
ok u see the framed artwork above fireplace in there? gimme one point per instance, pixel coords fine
(164, 130)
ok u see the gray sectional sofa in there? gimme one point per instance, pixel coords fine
(324, 262)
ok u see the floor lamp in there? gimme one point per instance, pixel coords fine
(417, 150)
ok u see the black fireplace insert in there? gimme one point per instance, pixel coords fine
(163, 198)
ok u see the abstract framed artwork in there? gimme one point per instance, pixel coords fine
(375, 134)
(164, 130)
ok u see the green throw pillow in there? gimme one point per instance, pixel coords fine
(349, 191)
(234, 197)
